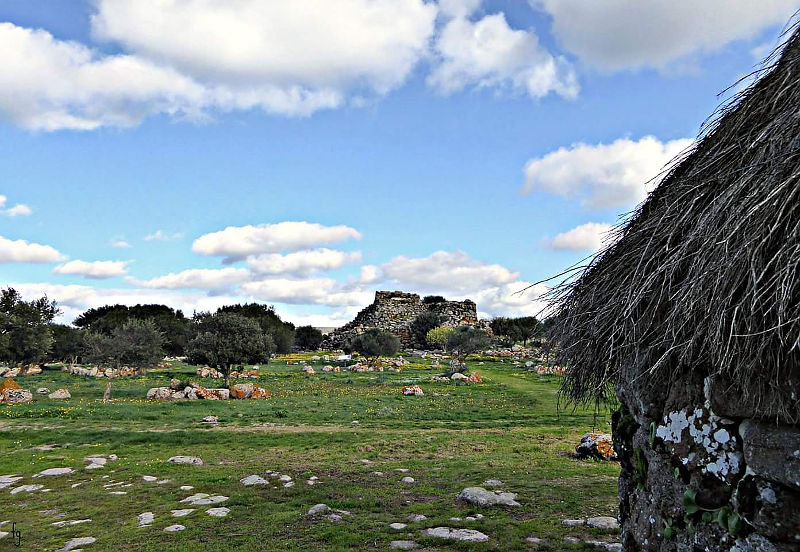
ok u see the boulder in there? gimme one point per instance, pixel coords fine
(599, 446)
(463, 535)
(481, 497)
(415, 390)
(17, 396)
(33, 370)
(458, 376)
(260, 393)
(251, 480)
(241, 390)
(159, 393)
(60, 394)
(603, 522)
(42, 391)
(475, 377)
(186, 460)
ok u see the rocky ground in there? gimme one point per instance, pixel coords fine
(343, 463)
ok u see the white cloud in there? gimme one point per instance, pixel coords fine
(20, 251)
(586, 237)
(458, 8)
(520, 298)
(301, 263)
(310, 291)
(93, 269)
(197, 278)
(17, 210)
(605, 175)
(120, 243)
(49, 84)
(160, 235)
(489, 54)
(454, 272)
(187, 58)
(237, 242)
(619, 34)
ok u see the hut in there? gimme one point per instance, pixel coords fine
(688, 325)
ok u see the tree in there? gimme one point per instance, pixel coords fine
(307, 338)
(437, 337)
(375, 343)
(25, 334)
(171, 323)
(68, 344)
(281, 333)
(517, 329)
(466, 340)
(225, 339)
(424, 323)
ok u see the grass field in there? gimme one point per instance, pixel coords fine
(507, 428)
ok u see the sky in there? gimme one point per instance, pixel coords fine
(305, 154)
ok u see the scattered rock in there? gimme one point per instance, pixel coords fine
(95, 462)
(253, 480)
(54, 471)
(596, 445)
(116, 493)
(318, 509)
(398, 526)
(210, 420)
(15, 396)
(534, 540)
(202, 499)
(42, 391)
(186, 487)
(493, 483)
(603, 522)
(241, 390)
(174, 528)
(218, 512)
(572, 540)
(146, 519)
(573, 522)
(149, 478)
(403, 545)
(414, 390)
(458, 376)
(60, 394)
(66, 523)
(401, 470)
(407, 480)
(481, 497)
(75, 543)
(288, 484)
(8, 480)
(182, 513)
(414, 518)
(463, 535)
(194, 460)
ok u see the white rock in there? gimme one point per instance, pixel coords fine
(194, 460)
(407, 480)
(75, 543)
(163, 481)
(401, 470)
(54, 471)
(285, 478)
(403, 545)
(186, 487)
(26, 489)
(414, 518)
(182, 513)
(398, 526)
(59, 394)
(196, 496)
(68, 523)
(602, 522)
(318, 509)
(289, 484)
(174, 528)
(118, 493)
(573, 522)
(481, 497)
(463, 535)
(146, 519)
(493, 483)
(218, 512)
(149, 478)
(8, 480)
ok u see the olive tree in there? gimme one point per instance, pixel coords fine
(375, 343)
(225, 339)
(464, 341)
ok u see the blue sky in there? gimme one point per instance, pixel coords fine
(198, 153)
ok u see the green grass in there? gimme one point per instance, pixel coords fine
(508, 428)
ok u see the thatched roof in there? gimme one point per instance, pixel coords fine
(705, 273)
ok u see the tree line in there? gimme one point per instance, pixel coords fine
(141, 335)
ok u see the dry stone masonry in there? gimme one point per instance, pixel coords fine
(394, 311)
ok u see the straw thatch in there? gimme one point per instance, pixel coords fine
(704, 274)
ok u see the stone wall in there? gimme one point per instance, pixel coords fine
(394, 311)
(702, 472)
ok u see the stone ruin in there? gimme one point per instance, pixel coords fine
(394, 311)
